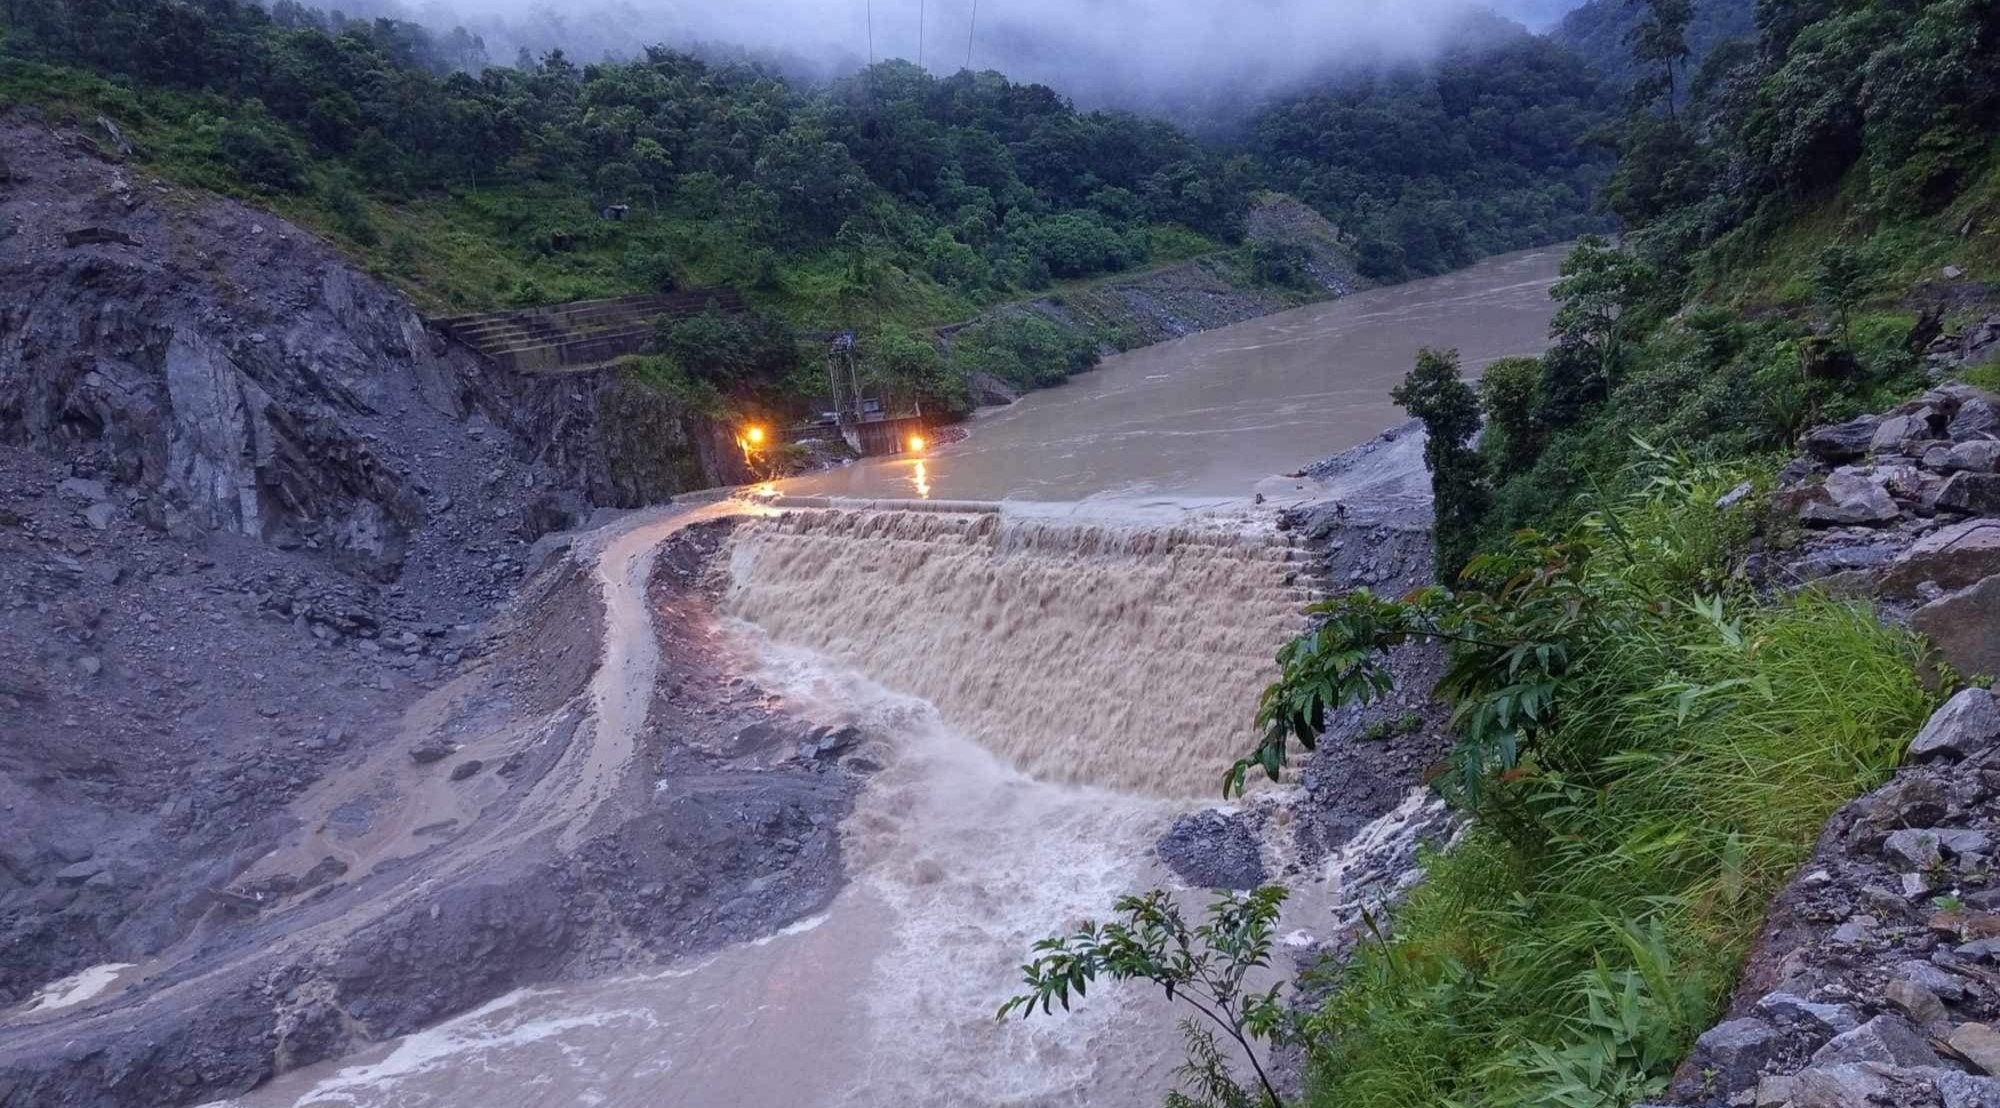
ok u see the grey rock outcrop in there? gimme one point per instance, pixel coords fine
(1964, 626)
(1968, 724)
(1214, 850)
(1850, 498)
(1841, 442)
(1950, 558)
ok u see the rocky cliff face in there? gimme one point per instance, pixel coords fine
(234, 370)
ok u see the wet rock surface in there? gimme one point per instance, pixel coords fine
(1214, 850)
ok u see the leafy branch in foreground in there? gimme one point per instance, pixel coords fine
(1205, 965)
(1514, 629)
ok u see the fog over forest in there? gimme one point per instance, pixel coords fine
(1130, 53)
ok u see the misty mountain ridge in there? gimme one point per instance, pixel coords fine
(1204, 68)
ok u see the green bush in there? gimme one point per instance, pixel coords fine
(350, 211)
(727, 349)
(261, 158)
(1023, 349)
(1280, 263)
(1510, 393)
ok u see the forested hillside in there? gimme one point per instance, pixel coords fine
(1599, 32)
(890, 201)
(1482, 151)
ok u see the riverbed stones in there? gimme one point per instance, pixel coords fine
(1950, 557)
(1968, 722)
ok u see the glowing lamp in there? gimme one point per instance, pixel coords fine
(755, 435)
(916, 443)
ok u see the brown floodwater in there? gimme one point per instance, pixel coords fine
(1205, 417)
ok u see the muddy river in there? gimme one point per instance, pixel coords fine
(1204, 417)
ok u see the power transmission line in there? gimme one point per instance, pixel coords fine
(871, 33)
(971, 26)
(920, 34)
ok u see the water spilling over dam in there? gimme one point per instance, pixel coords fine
(1128, 656)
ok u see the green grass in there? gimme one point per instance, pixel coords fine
(1593, 919)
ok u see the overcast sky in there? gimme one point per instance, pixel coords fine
(1091, 49)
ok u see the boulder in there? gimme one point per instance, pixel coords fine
(433, 749)
(1913, 849)
(1906, 801)
(1968, 723)
(1774, 1092)
(1963, 1090)
(1859, 1085)
(1977, 456)
(1214, 850)
(1979, 1044)
(1977, 415)
(1791, 1009)
(100, 515)
(1850, 499)
(1951, 557)
(76, 873)
(1735, 1052)
(1974, 494)
(1964, 626)
(90, 492)
(1888, 1039)
(1899, 429)
(1921, 1005)
(1907, 482)
(1841, 442)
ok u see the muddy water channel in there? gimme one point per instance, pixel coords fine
(1040, 698)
